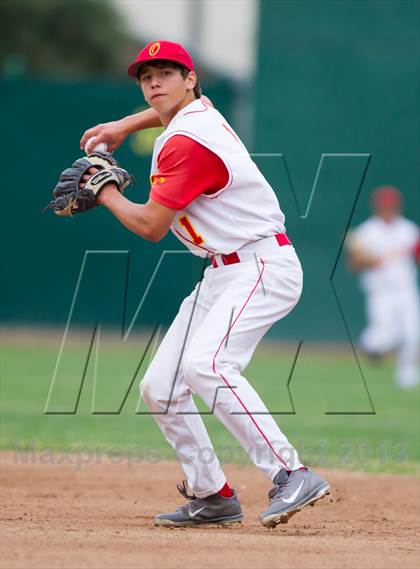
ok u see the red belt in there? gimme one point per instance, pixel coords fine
(232, 258)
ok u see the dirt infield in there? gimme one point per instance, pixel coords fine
(54, 515)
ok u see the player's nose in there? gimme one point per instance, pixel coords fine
(154, 82)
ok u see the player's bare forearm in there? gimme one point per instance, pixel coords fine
(358, 262)
(143, 120)
(115, 132)
(150, 221)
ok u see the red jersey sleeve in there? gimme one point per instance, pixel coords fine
(417, 250)
(186, 169)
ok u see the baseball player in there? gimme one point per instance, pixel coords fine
(206, 189)
(384, 249)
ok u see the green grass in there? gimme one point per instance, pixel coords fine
(330, 426)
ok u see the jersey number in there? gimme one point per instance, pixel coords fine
(186, 223)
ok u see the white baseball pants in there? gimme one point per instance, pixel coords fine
(205, 350)
(394, 324)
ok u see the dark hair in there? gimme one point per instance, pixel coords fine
(173, 65)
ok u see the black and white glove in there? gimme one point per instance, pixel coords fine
(68, 195)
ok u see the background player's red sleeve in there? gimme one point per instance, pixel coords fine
(417, 251)
(186, 169)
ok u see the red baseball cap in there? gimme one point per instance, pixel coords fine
(162, 50)
(386, 196)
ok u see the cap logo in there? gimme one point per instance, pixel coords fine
(154, 48)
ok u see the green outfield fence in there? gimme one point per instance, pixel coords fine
(334, 78)
(42, 254)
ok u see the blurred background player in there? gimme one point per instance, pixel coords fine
(384, 249)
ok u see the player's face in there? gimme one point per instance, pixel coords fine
(164, 88)
(388, 212)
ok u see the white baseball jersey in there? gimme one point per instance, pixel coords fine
(394, 243)
(194, 356)
(245, 210)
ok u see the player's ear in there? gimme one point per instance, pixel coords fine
(191, 80)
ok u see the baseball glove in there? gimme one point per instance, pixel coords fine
(69, 198)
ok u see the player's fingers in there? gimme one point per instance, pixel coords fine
(93, 131)
(86, 177)
(89, 173)
(88, 134)
(91, 143)
(84, 139)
